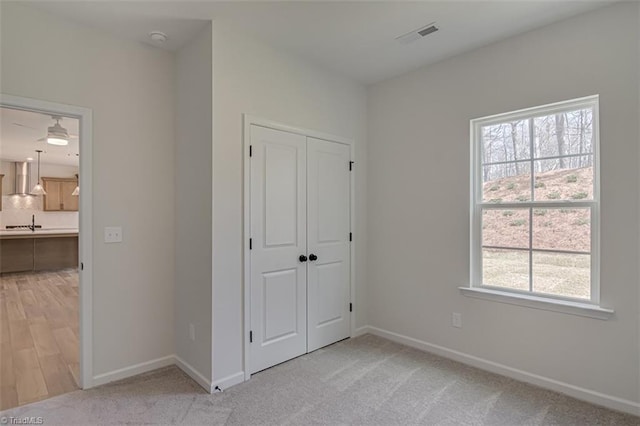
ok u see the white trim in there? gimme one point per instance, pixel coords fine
(85, 241)
(538, 111)
(361, 331)
(227, 382)
(133, 370)
(264, 122)
(246, 234)
(193, 373)
(588, 395)
(537, 302)
(249, 120)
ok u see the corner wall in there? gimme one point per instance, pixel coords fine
(193, 162)
(251, 77)
(418, 199)
(129, 87)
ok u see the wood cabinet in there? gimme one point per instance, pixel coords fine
(59, 196)
(38, 253)
(16, 255)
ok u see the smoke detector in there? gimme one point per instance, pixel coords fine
(158, 37)
(414, 35)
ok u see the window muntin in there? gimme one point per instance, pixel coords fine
(537, 233)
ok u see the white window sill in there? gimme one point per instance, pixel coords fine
(537, 302)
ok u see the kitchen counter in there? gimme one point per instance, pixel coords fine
(38, 233)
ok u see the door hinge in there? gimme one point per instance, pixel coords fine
(351, 165)
(350, 307)
(250, 336)
(350, 236)
(250, 150)
(250, 243)
(81, 266)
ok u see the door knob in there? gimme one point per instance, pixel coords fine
(313, 257)
(302, 258)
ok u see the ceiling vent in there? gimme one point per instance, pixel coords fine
(414, 35)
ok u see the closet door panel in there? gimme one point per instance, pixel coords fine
(328, 226)
(278, 232)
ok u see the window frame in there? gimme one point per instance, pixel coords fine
(477, 205)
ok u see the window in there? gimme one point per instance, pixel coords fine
(535, 202)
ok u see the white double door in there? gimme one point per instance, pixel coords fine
(300, 249)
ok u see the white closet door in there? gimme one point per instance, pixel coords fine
(328, 203)
(278, 232)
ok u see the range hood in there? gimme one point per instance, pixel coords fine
(22, 178)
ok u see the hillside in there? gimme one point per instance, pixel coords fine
(553, 228)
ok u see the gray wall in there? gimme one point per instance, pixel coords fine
(193, 161)
(45, 57)
(251, 77)
(418, 200)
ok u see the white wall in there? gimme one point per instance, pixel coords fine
(418, 224)
(17, 210)
(129, 86)
(250, 77)
(193, 235)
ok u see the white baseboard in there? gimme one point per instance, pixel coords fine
(193, 373)
(591, 396)
(361, 330)
(133, 370)
(227, 382)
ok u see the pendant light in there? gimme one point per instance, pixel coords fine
(76, 191)
(56, 134)
(38, 189)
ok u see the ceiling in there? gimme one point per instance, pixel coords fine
(356, 39)
(20, 131)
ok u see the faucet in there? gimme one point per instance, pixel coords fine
(33, 223)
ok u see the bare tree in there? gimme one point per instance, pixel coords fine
(560, 130)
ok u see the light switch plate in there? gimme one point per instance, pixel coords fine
(113, 234)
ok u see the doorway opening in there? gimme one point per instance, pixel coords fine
(44, 290)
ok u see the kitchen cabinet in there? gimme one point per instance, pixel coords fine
(16, 255)
(37, 252)
(59, 196)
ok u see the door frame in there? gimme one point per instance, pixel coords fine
(248, 121)
(85, 237)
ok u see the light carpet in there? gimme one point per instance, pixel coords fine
(366, 381)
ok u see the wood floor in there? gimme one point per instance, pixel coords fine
(39, 349)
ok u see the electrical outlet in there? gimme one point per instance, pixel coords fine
(456, 320)
(192, 332)
(113, 234)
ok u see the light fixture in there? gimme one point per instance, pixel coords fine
(56, 134)
(76, 191)
(38, 189)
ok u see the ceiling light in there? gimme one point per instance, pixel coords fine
(158, 37)
(56, 134)
(38, 189)
(29, 159)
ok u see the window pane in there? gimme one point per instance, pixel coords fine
(510, 182)
(507, 228)
(563, 134)
(506, 268)
(564, 179)
(562, 229)
(562, 274)
(506, 142)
